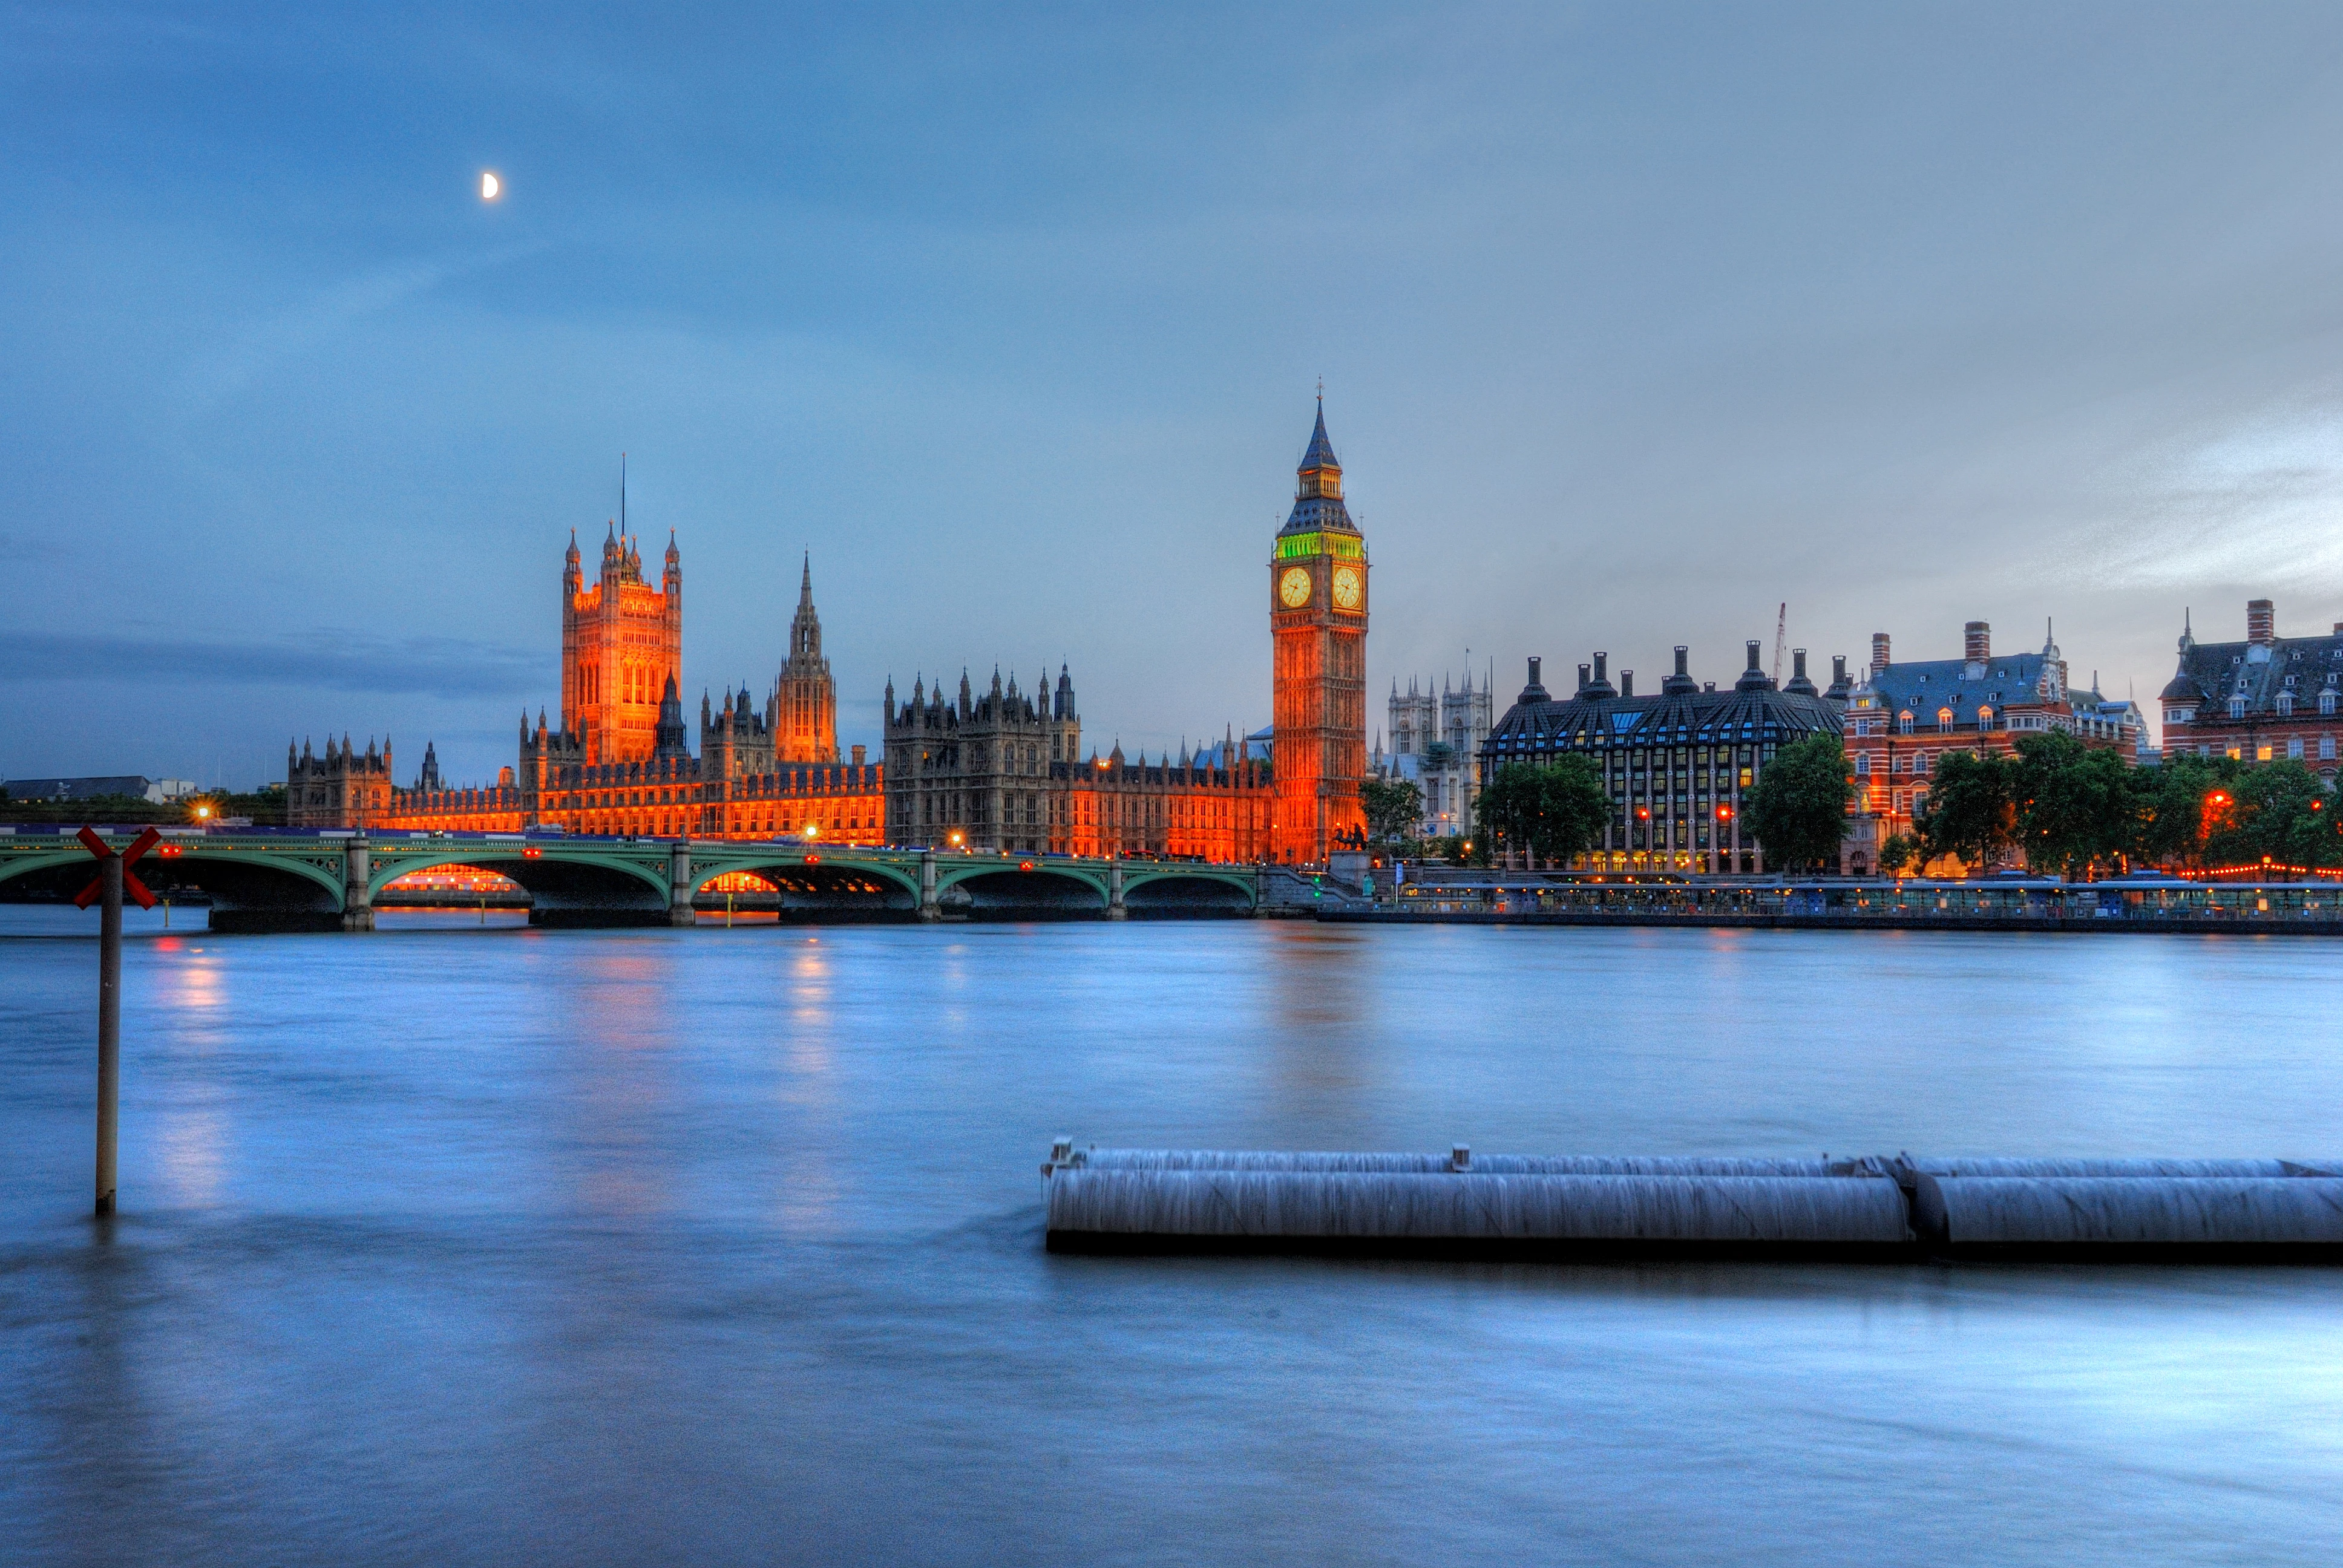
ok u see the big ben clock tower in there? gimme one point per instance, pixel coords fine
(1317, 622)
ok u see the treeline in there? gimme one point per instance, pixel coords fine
(265, 807)
(2072, 810)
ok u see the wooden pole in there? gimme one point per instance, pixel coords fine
(109, 1024)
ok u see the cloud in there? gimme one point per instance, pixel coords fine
(323, 660)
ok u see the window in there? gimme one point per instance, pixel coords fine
(1984, 720)
(2236, 708)
(1943, 721)
(2327, 747)
(2286, 703)
(1920, 763)
(2327, 704)
(2294, 747)
(1863, 763)
(1904, 723)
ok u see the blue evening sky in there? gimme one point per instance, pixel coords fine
(1635, 322)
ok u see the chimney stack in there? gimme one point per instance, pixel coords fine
(1838, 669)
(1682, 654)
(1534, 662)
(1626, 683)
(1582, 677)
(859, 754)
(1600, 676)
(2261, 622)
(1977, 642)
(1879, 659)
(1752, 646)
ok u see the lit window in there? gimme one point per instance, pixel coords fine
(1984, 720)
(1943, 721)
(1904, 723)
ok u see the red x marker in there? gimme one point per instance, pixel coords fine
(130, 885)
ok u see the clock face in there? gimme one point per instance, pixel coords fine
(1347, 589)
(1293, 587)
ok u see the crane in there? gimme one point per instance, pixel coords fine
(1781, 638)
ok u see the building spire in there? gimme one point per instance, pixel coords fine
(805, 582)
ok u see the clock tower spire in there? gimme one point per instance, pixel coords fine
(1318, 625)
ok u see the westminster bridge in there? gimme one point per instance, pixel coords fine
(288, 880)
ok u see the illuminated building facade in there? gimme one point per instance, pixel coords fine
(1902, 718)
(1318, 632)
(1004, 771)
(1675, 763)
(621, 649)
(802, 713)
(2268, 698)
(620, 764)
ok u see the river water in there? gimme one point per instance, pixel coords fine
(462, 1246)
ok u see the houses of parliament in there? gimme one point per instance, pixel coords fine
(1002, 769)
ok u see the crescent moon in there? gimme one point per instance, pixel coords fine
(491, 188)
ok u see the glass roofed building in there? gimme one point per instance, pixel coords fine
(1675, 762)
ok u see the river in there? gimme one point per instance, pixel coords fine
(452, 1245)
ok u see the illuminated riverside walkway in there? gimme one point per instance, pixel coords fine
(283, 881)
(2144, 902)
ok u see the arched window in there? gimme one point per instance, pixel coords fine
(2236, 708)
(1943, 721)
(1904, 722)
(1920, 763)
(1984, 720)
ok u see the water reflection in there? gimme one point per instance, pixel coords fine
(688, 1245)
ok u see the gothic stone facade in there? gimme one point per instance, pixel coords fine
(1004, 772)
(619, 765)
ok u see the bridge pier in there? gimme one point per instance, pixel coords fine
(678, 885)
(357, 902)
(1114, 905)
(929, 909)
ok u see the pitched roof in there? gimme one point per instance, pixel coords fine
(1926, 688)
(2223, 672)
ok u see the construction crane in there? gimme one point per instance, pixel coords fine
(1781, 638)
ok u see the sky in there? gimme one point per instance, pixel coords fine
(1635, 323)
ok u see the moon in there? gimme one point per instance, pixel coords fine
(491, 188)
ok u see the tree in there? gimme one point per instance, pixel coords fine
(2173, 805)
(2283, 816)
(1896, 853)
(1394, 807)
(1556, 812)
(2073, 806)
(1797, 808)
(1968, 813)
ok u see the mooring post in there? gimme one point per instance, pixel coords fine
(109, 1024)
(357, 903)
(928, 908)
(679, 897)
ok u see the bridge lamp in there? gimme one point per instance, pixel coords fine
(813, 829)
